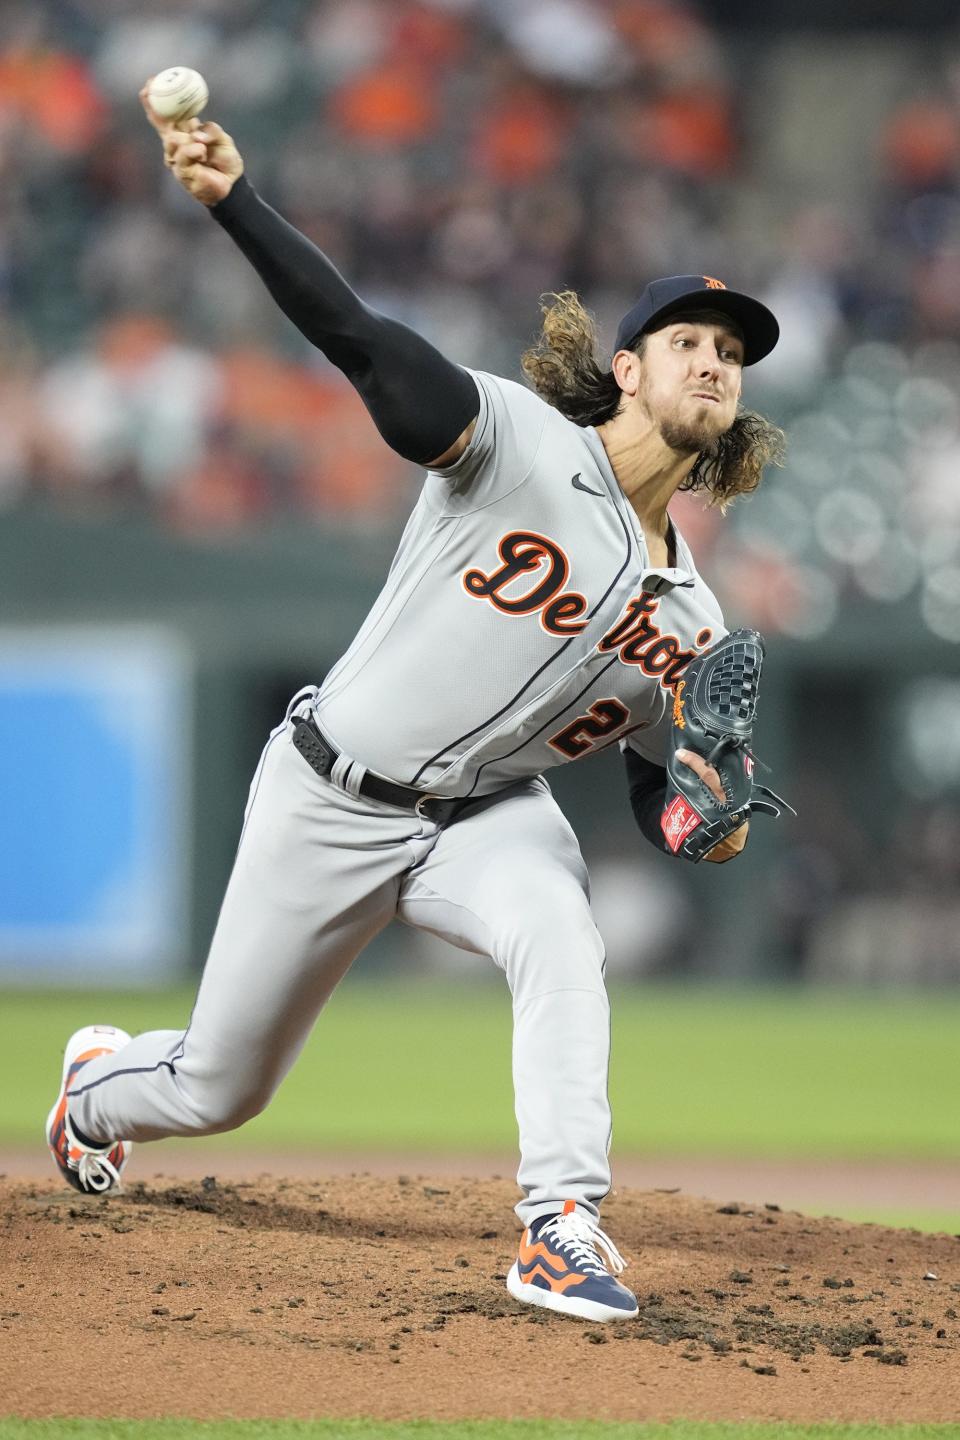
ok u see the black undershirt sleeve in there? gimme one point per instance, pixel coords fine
(648, 789)
(419, 401)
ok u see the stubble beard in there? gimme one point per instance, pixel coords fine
(684, 436)
(690, 437)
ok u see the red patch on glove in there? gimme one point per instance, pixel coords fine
(677, 821)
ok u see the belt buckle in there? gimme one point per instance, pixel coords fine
(424, 800)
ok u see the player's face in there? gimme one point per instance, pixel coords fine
(690, 382)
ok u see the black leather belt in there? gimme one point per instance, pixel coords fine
(320, 755)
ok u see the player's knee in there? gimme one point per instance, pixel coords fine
(530, 898)
(561, 911)
(224, 1107)
(552, 930)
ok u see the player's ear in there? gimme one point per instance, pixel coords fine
(626, 371)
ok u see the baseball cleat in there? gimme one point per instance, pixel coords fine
(561, 1267)
(87, 1168)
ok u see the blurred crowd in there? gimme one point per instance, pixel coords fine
(456, 158)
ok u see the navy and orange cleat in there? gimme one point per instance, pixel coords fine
(560, 1266)
(85, 1167)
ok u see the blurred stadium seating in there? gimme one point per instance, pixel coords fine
(456, 158)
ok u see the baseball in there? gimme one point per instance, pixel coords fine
(178, 93)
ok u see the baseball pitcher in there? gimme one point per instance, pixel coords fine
(541, 607)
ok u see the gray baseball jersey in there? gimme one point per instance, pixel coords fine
(521, 625)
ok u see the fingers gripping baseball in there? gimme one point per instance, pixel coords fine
(204, 159)
(201, 155)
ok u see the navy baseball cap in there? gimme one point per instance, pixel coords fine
(663, 298)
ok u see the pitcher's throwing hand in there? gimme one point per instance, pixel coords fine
(200, 153)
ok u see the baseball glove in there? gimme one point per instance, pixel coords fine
(713, 715)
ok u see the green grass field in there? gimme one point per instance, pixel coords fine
(426, 1067)
(462, 1430)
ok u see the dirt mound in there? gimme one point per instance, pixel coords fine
(366, 1296)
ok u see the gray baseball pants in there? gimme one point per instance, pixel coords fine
(318, 873)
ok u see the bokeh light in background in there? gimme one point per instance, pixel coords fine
(455, 159)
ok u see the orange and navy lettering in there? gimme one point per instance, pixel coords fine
(641, 642)
(525, 553)
(602, 718)
(535, 569)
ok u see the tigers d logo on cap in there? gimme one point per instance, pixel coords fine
(678, 293)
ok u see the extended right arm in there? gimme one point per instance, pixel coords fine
(418, 400)
(423, 405)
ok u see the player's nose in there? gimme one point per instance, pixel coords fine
(707, 362)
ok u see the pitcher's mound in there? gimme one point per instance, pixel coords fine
(366, 1296)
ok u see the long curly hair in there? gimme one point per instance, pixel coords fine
(563, 366)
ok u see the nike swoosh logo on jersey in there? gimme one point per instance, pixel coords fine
(578, 484)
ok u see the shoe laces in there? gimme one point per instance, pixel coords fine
(96, 1171)
(581, 1240)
